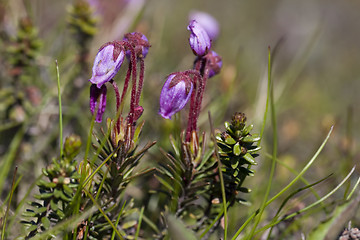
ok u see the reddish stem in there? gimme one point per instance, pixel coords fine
(126, 83)
(118, 102)
(200, 93)
(132, 65)
(191, 111)
(141, 81)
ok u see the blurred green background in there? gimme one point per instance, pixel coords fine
(316, 73)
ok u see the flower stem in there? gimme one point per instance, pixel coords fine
(141, 81)
(118, 102)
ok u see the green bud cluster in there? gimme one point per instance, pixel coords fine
(237, 151)
(56, 193)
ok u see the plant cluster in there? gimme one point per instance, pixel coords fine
(187, 190)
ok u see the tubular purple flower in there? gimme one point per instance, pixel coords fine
(95, 94)
(199, 40)
(175, 94)
(107, 63)
(208, 22)
(139, 42)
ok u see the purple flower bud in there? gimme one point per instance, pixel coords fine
(175, 94)
(107, 63)
(214, 63)
(208, 22)
(139, 42)
(199, 40)
(95, 94)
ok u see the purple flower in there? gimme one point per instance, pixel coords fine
(139, 42)
(208, 22)
(175, 94)
(199, 40)
(98, 101)
(214, 63)
(107, 63)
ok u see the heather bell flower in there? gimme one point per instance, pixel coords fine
(107, 63)
(208, 22)
(175, 94)
(199, 40)
(98, 101)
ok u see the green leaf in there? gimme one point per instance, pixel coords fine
(229, 140)
(67, 190)
(165, 183)
(248, 129)
(60, 213)
(46, 184)
(53, 205)
(253, 150)
(29, 213)
(32, 228)
(46, 222)
(43, 196)
(234, 163)
(237, 149)
(244, 190)
(249, 159)
(251, 139)
(40, 210)
(227, 126)
(129, 224)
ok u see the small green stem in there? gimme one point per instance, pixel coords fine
(273, 163)
(8, 208)
(139, 224)
(60, 109)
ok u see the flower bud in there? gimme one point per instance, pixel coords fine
(175, 94)
(208, 22)
(95, 94)
(199, 40)
(107, 63)
(214, 63)
(238, 120)
(139, 42)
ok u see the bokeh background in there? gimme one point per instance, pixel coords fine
(316, 79)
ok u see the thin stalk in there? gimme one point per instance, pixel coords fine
(8, 207)
(267, 97)
(191, 113)
(118, 220)
(60, 109)
(126, 85)
(103, 213)
(139, 224)
(118, 103)
(141, 81)
(353, 190)
(216, 154)
(273, 162)
(88, 143)
(309, 206)
(133, 90)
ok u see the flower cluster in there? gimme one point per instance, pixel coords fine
(181, 87)
(107, 63)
